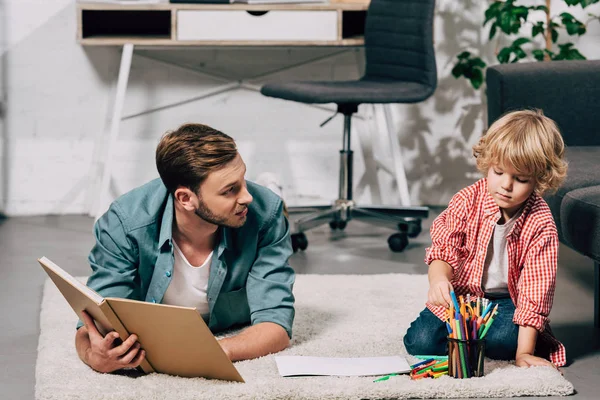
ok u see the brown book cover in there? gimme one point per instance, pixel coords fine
(176, 339)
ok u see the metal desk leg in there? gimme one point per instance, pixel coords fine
(597, 294)
(103, 200)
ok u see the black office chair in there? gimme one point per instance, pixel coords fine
(400, 68)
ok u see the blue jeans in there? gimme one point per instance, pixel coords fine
(427, 334)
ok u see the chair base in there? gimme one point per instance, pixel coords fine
(405, 220)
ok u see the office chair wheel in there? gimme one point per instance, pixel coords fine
(299, 241)
(341, 225)
(398, 242)
(414, 228)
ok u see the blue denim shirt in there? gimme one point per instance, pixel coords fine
(250, 279)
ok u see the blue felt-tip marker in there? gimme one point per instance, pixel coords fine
(487, 309)
(421, 363)
(455, 301)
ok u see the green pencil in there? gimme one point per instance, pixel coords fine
(487, 326)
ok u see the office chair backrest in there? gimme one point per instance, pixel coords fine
(399, 41)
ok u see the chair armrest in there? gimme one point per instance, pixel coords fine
(567, 91)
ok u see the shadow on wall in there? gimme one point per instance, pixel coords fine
(442, 169)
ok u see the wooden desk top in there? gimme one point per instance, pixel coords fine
(103, 24)
(342, 5)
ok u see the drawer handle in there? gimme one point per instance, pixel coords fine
(257, 13)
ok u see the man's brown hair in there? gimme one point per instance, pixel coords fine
(185, 157)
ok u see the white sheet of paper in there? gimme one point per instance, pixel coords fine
(358, 366)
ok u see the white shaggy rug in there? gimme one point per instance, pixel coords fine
(336, 316)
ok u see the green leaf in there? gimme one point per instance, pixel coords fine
(520, 53)
(572, 24)
(554, 35)
(458, 70)
(538, 54)
(541, 8)
(572, 29)
(464, 55)
(477, 63)
(476, 78)
(493, 29)
(566, 15)
(575, 55)
(504, 55)
(506, 22)
(583, 3)
(520, 12)
(567, 52)
(520, 42)
(537, 29)
(492, 11)
(576, 28)
(469, 67)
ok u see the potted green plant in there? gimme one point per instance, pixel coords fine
(509, 19)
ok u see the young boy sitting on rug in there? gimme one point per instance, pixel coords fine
(497, 240)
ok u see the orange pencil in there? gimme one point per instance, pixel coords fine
(495, 310)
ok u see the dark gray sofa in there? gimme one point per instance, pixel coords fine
(569, 93)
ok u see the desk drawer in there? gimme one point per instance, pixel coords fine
(239, 25)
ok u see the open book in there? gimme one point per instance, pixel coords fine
(176, 339)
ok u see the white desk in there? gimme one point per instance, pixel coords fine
(336, 24)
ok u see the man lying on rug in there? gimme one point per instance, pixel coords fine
(200, 236)
(497, 239)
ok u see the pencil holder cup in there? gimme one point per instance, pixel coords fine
(465, 358)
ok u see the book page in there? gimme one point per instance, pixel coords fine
(357, 366)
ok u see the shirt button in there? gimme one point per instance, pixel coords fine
(168, 274)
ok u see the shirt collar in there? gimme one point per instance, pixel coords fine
(166, 230)
(166, 226)
(225, 240)
(490, 208)
(489, 205)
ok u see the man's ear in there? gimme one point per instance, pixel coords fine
(186, 198)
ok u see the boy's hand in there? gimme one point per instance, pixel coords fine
(439, 293)
(529, 360)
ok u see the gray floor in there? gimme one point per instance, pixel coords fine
(361, 249)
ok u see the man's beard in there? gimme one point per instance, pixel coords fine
(204, 212)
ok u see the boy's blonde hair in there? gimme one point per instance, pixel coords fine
(529, 142)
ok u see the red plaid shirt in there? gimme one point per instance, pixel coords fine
(460, 236)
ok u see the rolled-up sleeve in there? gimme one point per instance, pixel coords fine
(113, 259)
(271, 279)
(448, 234)
(537, 283)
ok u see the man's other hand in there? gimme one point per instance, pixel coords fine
(103, 354)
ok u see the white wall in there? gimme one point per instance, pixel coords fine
(58, 95)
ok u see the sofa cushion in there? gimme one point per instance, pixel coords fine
(584, 171)
(580, 221)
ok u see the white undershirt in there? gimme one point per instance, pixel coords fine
(189, 284)
(495, 269)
